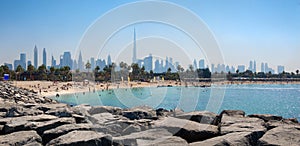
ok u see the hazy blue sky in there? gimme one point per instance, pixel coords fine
(261, 30)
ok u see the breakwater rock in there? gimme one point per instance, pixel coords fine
(28, 119)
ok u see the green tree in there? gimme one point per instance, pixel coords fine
(97, 68)
(30, 69)
(88, 66)
(135, 71)
(19, 71)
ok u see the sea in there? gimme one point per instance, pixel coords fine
(276, 99)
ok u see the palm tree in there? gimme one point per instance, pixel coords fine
(88, 66)
(30, 69)
(42, 72)
(297, 72)
(97, 68)
(191, 67)
(19, 70)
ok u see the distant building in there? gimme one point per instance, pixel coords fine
(29, 63)
(134, 58)
(201, 64)
(241, 68)
(75, 65)
(35, 60)
(44, 57)
(213, 68)
(227, 69)
(10, 66)
(254, 66)
(80, 62)
(16, 64)
(148, 63)
(280, 69)
(157, 66)
(53, 62)
(232, 69)
(66, 60)
(262, 68)
(23, 60)
(250, 66)
(101, 64)
(195, 64)
(109, 62)
(92, 63)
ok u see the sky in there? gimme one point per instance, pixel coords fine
(265, 31)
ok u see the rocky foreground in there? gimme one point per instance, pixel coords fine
(27, 119)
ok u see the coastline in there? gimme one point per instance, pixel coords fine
(49, 88)
(30, 119)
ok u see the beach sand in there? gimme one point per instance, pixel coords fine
(51, 89)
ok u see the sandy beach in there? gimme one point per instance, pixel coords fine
(50, 89)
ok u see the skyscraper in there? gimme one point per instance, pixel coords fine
(195, 64)
(134, 47)
(35, 61)
(262, 68)
(44, 57)
(93, 63)
(148, 63)
(201, 64)
(109, 60)
(80, 63)
(241, 68)
(23, 60)
(250, 66)
(254, 66)
(67, 61)
(280, 69)
(53, 62)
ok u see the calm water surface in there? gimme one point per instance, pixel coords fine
(277, 99)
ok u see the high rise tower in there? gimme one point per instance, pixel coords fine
(44, 57)
(80, 62)
(35, 61)
(109, 60)
(134, 60)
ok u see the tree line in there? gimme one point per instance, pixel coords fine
(132, 72)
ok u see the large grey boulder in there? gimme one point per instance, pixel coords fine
(266, 117)
(102, 118)
(82, 138)
(189, 130)
(64, 129)
(164, 141)
(230, 124)
(21, 138)
(47, 107)
(132, 138)
(233, 113)
(40, 127)
(105, 109)
(23, 123)
(137, 113)
(234, 139)
(203, 117)
(287, 135)
(131, 129)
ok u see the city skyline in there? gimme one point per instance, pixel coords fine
(243, 29)
(150, 63)
(157, 65)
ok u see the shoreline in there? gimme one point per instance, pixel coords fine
(51, 89)
(29, 119)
